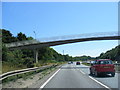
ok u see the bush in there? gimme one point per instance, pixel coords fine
(29, 62)
(30, 65)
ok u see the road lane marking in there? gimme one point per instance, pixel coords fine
(100, 83)
(82, 72)
(50, 78)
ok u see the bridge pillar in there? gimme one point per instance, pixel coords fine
(36, 55)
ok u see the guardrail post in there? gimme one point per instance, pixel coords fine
(36, 55)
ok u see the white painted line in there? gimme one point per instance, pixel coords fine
(82, 72)
(50, 78)
(100, 83)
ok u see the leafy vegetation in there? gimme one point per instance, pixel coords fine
(28, 75)
(24, 58)
(113, 54)
(87, 64)
(83, 58)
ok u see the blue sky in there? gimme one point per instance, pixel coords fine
(50, 19)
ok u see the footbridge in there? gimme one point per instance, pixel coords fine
(35, 44)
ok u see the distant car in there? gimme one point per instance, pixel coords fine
(102, 67)
(77, 63)
(69, 62)
(88, 62)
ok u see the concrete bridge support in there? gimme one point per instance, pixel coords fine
(36, 55)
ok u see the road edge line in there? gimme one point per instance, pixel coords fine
(49, 79)
(100, 83)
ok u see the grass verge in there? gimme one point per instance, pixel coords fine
(87, 64)
(27, 75)
(7, 66)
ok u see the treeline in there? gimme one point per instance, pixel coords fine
(7, 37)
(25, 57)
(113, 54)
(84, 58)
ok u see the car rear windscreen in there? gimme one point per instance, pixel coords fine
(105, 62)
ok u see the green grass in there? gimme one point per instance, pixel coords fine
(27, 75)
(86, 64)
(15, 77)
(6, 67)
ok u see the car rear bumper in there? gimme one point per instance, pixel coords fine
(106, 72)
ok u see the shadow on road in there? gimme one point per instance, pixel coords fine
(101, 76)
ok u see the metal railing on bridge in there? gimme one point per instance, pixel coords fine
(58, 38)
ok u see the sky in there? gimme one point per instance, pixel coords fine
(49, 19)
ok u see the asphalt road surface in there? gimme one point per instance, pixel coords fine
(77, 76)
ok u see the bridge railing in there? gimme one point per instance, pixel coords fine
(86, 35)
(58, 38)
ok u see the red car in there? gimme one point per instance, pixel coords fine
(77, 63)
(102, 67)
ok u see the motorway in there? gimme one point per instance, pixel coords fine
(77, 76)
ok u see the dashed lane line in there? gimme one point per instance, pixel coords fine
(82, 72)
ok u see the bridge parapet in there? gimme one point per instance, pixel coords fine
(86, 35)
(22, 43)
(60, 38)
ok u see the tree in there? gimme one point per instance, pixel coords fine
(113, 54)
(4, 53)
(7, 36)
(29, 38)
(21, 36)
